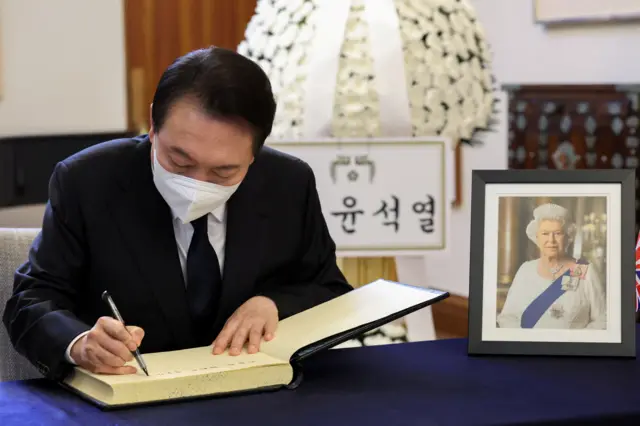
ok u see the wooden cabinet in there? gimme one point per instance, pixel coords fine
(579, 126)
(159, 31)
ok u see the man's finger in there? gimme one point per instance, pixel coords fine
(224, 338)
(115, 347)
(105, 357)
(270, 328)
(116, 329)
(239, 338)
(255, 336)
(89, 352)
(137, 334)
(104, 369)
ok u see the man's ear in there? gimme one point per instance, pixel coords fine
(151, 129)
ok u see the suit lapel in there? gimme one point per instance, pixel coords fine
(243, 248)
(146, 224)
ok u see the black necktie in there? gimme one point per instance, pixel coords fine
(204, 279)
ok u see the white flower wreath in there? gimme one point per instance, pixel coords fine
(447, 67)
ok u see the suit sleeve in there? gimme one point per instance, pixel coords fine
(39, 316)
(316, 278)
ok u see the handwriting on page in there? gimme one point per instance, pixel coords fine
(209, 368)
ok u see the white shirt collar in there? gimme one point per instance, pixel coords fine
(218, 214)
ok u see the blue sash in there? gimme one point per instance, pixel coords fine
(539, 306)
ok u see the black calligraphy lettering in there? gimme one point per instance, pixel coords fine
(393, 211)
(426, 210)
(350, 215)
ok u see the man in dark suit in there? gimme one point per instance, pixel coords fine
(200, 233)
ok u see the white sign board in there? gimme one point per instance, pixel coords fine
(381, 197)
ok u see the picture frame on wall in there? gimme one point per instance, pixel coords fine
(554, 12)
(551, 263)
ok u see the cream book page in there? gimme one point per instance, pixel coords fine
(189, 362)
(361, 306)
(184, 373)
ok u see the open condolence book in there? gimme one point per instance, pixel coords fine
(192, 373)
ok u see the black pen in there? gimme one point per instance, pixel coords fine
(109, 301)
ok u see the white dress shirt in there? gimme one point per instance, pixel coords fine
(581, 306)
(217, 230)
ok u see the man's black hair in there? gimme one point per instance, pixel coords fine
(225, 84)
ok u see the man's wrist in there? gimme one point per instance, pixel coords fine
(67, 354)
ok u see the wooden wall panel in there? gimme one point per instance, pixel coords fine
(589, 126)
(158, 32)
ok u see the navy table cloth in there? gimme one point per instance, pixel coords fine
(423, 383)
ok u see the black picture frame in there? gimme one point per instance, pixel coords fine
(625, 219)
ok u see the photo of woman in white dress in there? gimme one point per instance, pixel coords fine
(554, 290)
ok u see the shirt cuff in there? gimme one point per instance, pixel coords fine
(67, 354)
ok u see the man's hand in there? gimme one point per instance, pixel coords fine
(256, 317)
(107, 347)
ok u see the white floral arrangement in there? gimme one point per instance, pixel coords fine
(386, 335)
(447, 67)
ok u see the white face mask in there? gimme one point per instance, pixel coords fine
(189, 198)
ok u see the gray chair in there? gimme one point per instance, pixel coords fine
(14, 248)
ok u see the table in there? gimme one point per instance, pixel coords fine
(422, 383)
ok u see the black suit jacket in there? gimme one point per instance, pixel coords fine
(106, 227)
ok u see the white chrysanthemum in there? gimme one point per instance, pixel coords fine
(377, 340)
(349, 344)
(449, 81)
(385, 335)
(394, 331)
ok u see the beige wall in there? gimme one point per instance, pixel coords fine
(63, 67)
(22, 217)
(528, 53)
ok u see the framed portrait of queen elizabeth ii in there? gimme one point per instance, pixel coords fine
(551, 266)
